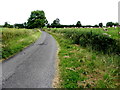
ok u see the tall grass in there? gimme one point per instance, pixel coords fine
(97, 39)
(14, 40)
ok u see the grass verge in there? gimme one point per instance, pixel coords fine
(15, 40)
(81, 67)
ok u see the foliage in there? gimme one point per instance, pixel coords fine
(23, 25)
(56, 23)
(78, 24)
(7, 25)
(96, 26)
(100, 24)
(71, 26)
(116, 24)
(19, 25)
(109, 24)
(37, 19)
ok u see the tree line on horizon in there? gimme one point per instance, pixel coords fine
(37, 19)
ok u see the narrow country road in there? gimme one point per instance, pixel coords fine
(34, 67)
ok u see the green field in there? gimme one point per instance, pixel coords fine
(89, 58)
(14, 40)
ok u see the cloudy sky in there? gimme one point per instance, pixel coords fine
(89, 12)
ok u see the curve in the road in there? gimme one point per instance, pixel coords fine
(34, 67)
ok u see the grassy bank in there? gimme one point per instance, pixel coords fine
(83, 67)
(14, 40)
(97, 39)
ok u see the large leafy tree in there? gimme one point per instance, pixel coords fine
(37, 19)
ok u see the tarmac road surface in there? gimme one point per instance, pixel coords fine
(34, 67)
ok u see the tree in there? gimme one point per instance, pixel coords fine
(37, 19)
(48, 25)
(78, 24)
(96, 25)
(56, 23)
(25, 25)
(101, 25)
(109, 24)
(19, 25)
(116, 24)
(7, 25)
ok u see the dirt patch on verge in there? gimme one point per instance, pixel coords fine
(56, 80)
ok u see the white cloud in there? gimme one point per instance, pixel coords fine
(68, 11)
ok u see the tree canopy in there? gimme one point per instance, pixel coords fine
(78, 24)
(37, 19)
(109, 24)
(100, 24)
(56, 22)
(7, 25)
(116, 24)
